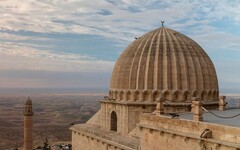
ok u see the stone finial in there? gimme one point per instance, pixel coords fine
(197, 109)
(193, 106)
(159, 107)
(222, 103)
(162, 23)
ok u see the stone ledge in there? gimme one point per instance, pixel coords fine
(124, 102)
(189, 135)
(109, 137)
(221, 132)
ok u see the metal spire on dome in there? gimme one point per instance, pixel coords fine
(162, 23)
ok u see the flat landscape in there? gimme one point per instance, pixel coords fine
(54, 114)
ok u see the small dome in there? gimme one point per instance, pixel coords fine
(28, 101)
(164, 63)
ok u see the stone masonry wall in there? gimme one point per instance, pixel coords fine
(88, 137)
(127, 116)
(163, 133)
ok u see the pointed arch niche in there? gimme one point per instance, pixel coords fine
(113, 122)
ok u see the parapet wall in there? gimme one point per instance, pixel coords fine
(164, 133)
(89, 137)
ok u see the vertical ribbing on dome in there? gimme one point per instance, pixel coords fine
(186, 87)
(160, 63)
(165, 70)
(119, 73)
(202, 65)
(214, 81)
(164, 59)
(189, 69)
(199, 73)
(207, 72)
(215, 86)
(115, 75)
(124, 75)
(193, 69)
(156, 62)
(141, 68)
(148, 81)
(184, 67)
(133, 71)
(174, 65)
(169, 60)
(211, 76)
(197, 68)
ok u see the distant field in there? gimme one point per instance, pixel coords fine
(53, 116)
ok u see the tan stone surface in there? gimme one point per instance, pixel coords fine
(128, 115)
(90, 137)
(164, 133)
(163, 62)
(197, 109)
(222, 103)
(96, 119)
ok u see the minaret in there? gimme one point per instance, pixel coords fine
(28, 125)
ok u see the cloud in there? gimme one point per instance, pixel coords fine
(215, 40)
(53, 79)
(23, 57)
(122, 20)
(213, 24)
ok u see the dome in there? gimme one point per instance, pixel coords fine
(163, 63)
(28, 101)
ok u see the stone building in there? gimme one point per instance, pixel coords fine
(28, 125)
(162, 72)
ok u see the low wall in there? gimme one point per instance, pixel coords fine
(164, 133)
(86, 137)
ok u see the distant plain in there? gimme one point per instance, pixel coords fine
(54, 114)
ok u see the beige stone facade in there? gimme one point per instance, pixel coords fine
(165, 133)
(128, 115)
(164, 63)
(162, 69)
(90, 137)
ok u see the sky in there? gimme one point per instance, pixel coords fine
(75, 43)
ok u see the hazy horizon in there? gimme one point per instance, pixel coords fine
(76, 43)
(73, 91)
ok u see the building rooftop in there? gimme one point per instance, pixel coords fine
(93, 131)
(208, 117)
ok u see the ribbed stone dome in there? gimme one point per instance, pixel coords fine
(164, 63)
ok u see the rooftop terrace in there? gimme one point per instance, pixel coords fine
(208, 117)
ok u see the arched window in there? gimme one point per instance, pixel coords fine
(113, 121)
